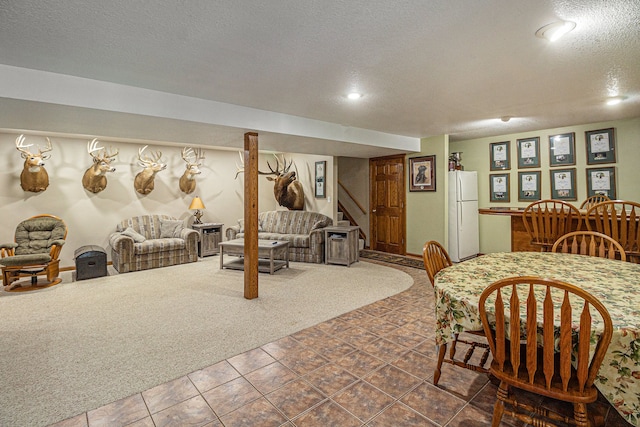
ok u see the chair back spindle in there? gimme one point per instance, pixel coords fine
(589, 243)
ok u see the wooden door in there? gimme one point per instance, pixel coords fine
(388, 215)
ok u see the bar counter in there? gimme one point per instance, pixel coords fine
(520, 240)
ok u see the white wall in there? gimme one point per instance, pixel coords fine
(90, 218)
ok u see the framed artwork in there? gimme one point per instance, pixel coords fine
(562, 149)
(528, 153)
(529, 186)
(600, 146)
(563, 184)
(601, 181)
(423, 173)
(499, 187)
(321, 189)
(500, 155)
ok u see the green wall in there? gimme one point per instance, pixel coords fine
(427, 210)
(494, 230)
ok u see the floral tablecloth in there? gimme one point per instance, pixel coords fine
(615, 283)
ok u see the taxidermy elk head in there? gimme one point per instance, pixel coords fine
(286, 188)
(34, 176)
(94, 178)
(193, 159)
(144, 180)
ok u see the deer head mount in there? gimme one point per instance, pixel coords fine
(286, 188)
(145, 179)
(34, 176)
(193, 159)
(94, 178)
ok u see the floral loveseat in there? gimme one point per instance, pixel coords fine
(303, 230)
(152, 241)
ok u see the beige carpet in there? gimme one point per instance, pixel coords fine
(79, 345)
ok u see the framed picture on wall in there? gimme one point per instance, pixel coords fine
(562, 149)
(529, 186)
(423, 173)
(563, 184)
(601, 181)
(528, 153)
(499, 187)
(600, 146)
(320, 187)
(500, 154)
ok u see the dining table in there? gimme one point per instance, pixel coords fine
(615, 283)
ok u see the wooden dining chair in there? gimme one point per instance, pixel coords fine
(593, 200)
(589, 243)
(620, 220)
(546, 220)
(533, 346)
(436, 258)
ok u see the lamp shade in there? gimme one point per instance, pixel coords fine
(196, 203)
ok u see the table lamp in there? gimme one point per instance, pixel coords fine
(197, 204)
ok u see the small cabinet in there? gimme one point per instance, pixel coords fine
(341, 245)
(210, 237)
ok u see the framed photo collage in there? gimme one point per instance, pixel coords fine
(600, 149)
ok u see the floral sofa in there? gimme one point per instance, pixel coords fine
(303, 230)
(152, 241)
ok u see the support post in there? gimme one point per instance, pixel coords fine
(251, 215)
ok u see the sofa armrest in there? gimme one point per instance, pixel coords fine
(232, 231)
(316, 240)
(191, 238)
(122, 244)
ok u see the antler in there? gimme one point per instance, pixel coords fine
(240, 169)
(93, 146)
(192, 157)
(21, 146)
(49, 148)
(146, 160)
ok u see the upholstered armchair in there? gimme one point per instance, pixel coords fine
(35, 251)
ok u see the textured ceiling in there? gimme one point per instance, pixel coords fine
(425, 67)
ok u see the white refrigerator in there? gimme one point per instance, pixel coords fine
(464, 241)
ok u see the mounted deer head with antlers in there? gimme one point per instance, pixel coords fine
(286, 188)
(145, 179)
(94, 178)
(193, 159)
(34, 176)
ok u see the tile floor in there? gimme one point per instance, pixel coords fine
(370, 367)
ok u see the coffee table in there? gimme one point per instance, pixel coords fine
(267, 251)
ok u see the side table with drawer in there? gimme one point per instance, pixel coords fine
(210, 236)
(341, 245)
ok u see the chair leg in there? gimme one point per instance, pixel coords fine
(498, 408)
(580, 414)
(442, 349)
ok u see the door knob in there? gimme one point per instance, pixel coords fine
(373, 211)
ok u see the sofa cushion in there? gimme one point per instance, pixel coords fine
(137, 237)
(170, 228)
(292, 222)
(151, 246)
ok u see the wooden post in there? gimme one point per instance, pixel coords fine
(251, 215)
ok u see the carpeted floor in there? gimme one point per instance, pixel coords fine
(392, 258)
(79, 345)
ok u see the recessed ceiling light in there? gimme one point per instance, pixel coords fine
(555, 30)
(615, 100)
(354, 95)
